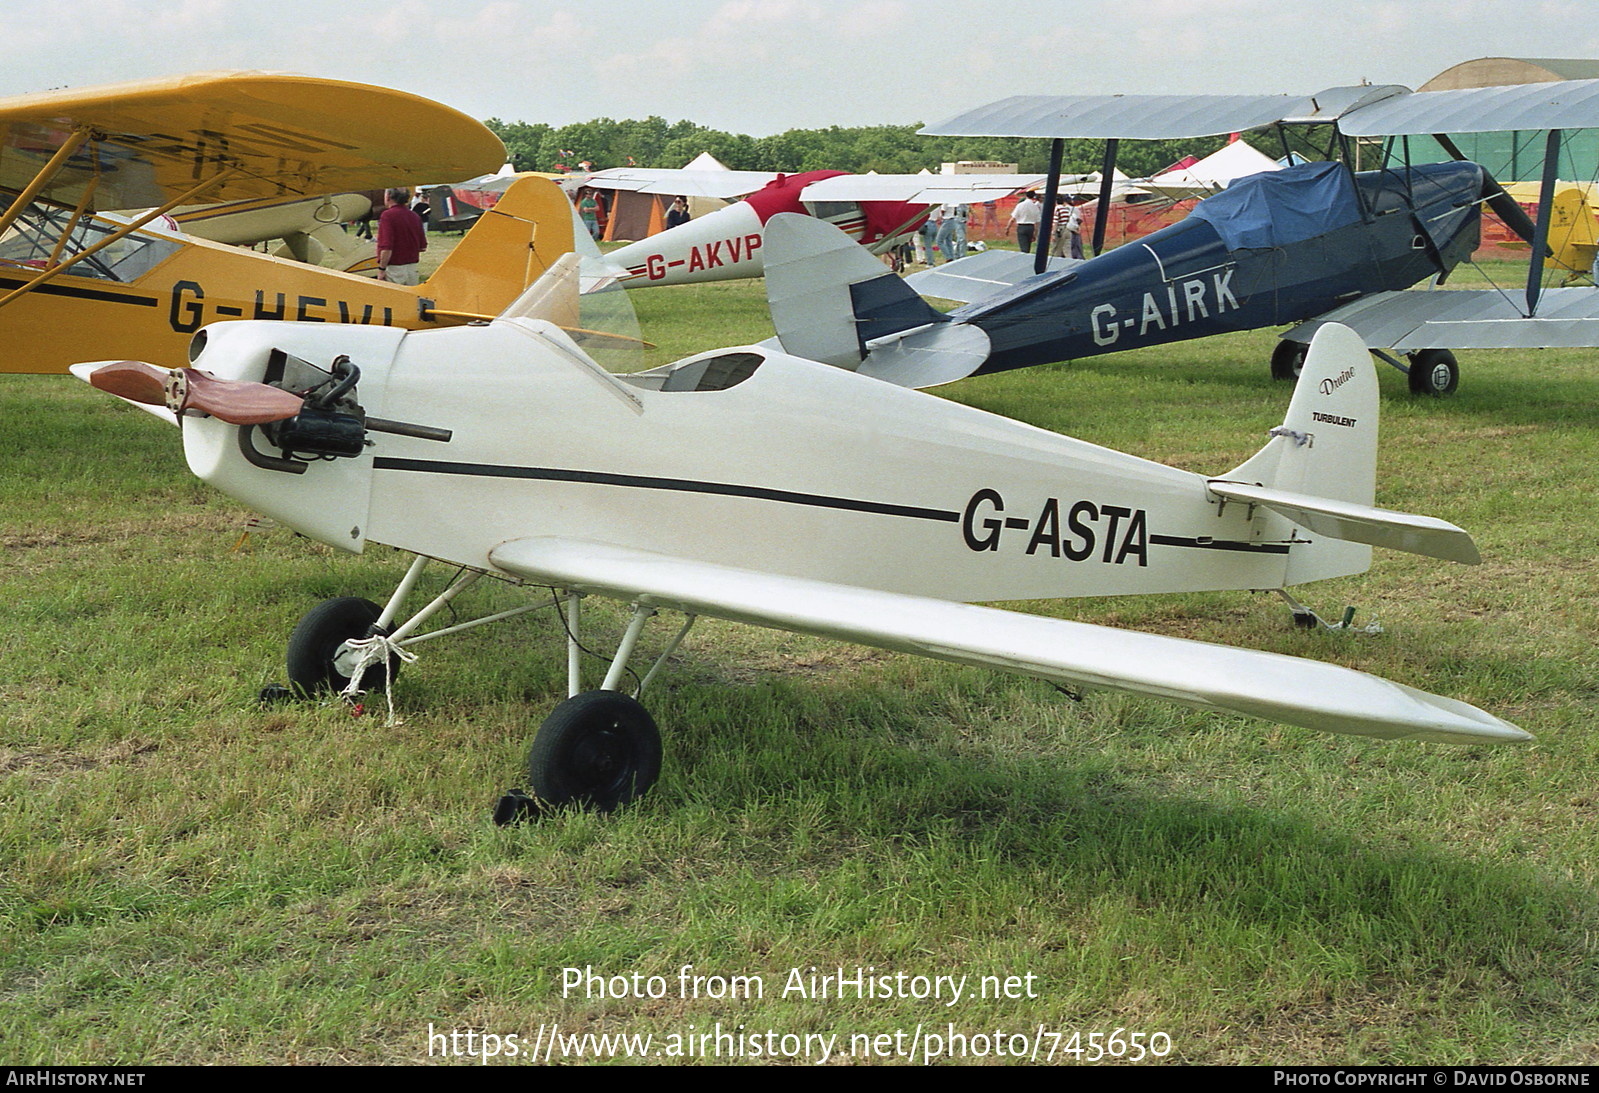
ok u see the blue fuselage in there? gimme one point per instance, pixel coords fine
(1273, 249)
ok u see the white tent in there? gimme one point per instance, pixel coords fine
(1212, 173)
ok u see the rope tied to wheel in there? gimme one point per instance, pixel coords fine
(370, 651)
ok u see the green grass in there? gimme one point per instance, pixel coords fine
(191, 878)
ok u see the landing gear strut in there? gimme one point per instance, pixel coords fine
(600, 749)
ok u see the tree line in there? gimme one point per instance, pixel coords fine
(886, 149)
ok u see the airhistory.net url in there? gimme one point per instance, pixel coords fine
(920, 1045)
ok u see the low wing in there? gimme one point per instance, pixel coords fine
(151, 141)
(1280, 688)
(690, 183)
(1465, 319)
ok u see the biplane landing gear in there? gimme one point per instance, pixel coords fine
(315, 646)
(1433, 372)
(599, 749)
(1288, 360)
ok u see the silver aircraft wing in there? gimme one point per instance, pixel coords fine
(1308, 693)
(1478, 318)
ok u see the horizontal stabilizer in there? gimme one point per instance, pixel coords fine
(1293, 690)
(1358, 523)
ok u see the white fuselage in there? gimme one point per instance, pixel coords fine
(796, 469)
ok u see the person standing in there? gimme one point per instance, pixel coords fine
(1074, 229)
(588, 210)
(1059, 235)
(952, 231)
(401, 239)
(1025, 216)
(928, 234)
(677, 215)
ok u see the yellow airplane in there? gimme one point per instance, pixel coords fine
(312, 228)
(75, 282)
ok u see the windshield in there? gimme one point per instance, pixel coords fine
(578, 294)
(35, 241)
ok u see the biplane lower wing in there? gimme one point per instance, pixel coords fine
(1567, 318)
(1300, 692)
(979, 276)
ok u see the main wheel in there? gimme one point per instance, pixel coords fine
(1433, 372)
(316, 640)
(599, 749)
(1288, 360)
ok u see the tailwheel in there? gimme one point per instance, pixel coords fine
(318, 659)
(599, 749)
(1288, 360)
(1433, 372)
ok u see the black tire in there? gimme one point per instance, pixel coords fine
(1288, 360)
(317, 637)
(1433, 372)
(599, 749)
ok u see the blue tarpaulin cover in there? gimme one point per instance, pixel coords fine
(1277, 208)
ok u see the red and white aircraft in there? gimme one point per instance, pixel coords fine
(877, 211)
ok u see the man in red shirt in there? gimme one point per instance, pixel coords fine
(401, 239)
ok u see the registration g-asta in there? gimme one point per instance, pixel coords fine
(751, 485)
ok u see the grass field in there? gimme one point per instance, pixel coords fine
(189, 877)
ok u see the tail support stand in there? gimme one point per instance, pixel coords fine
(1305, 617)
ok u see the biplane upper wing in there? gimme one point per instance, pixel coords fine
(927, 189)
(1154, 117)
(1562, 104)
(252, 134)
(1301, 692)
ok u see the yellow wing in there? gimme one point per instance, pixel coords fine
(258, 134)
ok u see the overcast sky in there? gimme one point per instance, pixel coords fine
(763, 66)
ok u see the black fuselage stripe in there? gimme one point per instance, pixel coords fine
(1219, 544)
(685, 485)
(689, 485)
(82, 293)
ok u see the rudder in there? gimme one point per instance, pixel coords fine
(505, 251)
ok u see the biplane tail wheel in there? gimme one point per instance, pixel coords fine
(1433, 372)
(316, 640)
(1288, 360)
(599, 749)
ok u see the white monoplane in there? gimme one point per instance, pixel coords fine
(751, 485)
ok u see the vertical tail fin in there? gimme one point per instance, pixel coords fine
(833, 302)
(1320, 470)
(505, 251)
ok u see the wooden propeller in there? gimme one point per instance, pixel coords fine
(183, 389)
